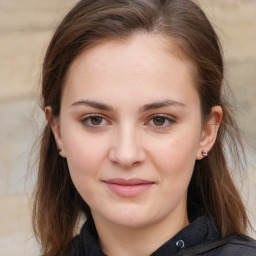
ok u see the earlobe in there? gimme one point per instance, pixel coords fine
(209, 133)
(55, 127)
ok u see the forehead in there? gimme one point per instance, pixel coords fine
(144, 63)
(141, 43)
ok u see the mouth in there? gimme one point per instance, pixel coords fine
(128, 187)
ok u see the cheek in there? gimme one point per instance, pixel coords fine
(84, 154)
(175, 164)
(175, 156)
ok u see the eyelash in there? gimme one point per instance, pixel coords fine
(89, 118)
(165, 118)
(170, 121)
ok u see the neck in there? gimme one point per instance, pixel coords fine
(118, 240)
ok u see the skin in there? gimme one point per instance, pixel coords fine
(133, 138)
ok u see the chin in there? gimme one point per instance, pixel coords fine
(131, 222)
(133, 218)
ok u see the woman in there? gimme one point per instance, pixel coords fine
(132, 92)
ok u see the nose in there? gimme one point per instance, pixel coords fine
(127, 148)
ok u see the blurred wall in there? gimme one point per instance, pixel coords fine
(235, 23)
(25, 30)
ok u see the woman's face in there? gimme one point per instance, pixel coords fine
(130, 127)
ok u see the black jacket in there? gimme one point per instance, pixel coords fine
(201, 237)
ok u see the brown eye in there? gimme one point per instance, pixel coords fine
(96, 120)
(159, 121)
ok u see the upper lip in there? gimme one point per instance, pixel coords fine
(127, 182)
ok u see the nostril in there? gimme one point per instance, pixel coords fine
(125, 159)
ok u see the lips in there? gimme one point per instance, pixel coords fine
(128, 187)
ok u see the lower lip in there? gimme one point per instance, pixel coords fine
(129, 190)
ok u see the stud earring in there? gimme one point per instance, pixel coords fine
(204, 153)
(59, 149)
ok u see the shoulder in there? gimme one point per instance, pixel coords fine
(238, 245)
(232, 245)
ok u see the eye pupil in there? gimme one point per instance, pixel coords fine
(96, 120)
(159, 121)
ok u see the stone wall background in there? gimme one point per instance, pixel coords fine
(25, 30)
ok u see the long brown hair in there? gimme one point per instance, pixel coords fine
(57, 204)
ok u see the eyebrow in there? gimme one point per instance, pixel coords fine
(161, 104)
(93, 104)
(144, 108)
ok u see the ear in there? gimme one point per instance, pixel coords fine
(210, 130)
(54, 121)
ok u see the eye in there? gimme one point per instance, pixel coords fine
(161, 121)
(94, 121)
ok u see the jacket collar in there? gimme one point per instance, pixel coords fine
(201, 230)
